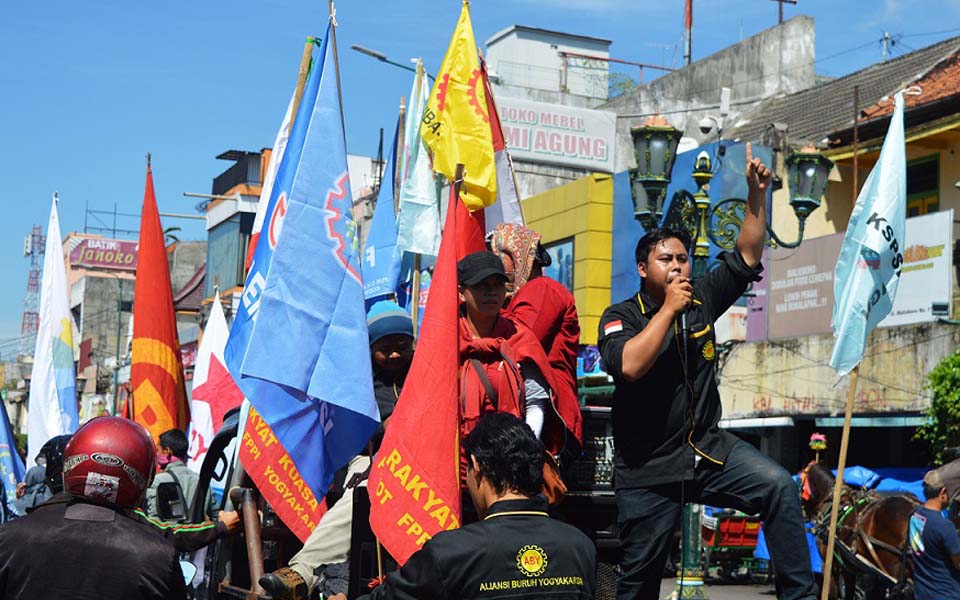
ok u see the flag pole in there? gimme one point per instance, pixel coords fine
(336, 62)
(302, 73)
(838, 483)
(457, 184)
(415, 291)
(399, 156)
(415, 294)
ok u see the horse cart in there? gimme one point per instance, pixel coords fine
(729, 540)
(871, 551)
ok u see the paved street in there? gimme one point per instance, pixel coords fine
(714, 591)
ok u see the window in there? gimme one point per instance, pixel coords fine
(923, 185)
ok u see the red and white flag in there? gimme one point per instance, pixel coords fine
(276, 155)
(474, 226)
(214, 391)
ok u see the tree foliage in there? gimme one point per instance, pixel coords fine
(620, 83)
(943, 429)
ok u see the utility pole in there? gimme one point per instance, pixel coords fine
(688, 33)
(886, 44)
(781, 3)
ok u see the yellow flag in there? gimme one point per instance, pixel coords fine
(455, 125)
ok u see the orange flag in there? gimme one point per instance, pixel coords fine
(156, 376)
(415, 478)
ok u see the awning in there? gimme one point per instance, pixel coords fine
(756, 422)
(873, 421)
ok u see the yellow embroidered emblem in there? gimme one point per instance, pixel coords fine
(709, 352)
(532, 561)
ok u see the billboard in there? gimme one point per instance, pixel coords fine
(800, 281)
(101, 253)
(799, 298)
(555, 134)
(924, 294)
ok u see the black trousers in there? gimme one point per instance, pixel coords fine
(748, 481)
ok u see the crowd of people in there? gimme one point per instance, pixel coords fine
(94, 504)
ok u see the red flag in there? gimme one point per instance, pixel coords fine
(156, 375)
(414, 481)
(470, 230)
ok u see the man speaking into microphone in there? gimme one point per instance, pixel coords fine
(659, 347)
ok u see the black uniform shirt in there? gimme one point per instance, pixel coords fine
(517, 551)
(67, 548)
(656, 434)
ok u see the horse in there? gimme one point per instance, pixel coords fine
(870, 555)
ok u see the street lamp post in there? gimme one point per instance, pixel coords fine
(383, 58)
(655, 146)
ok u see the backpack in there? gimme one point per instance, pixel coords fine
(491, 383)
(171, 503)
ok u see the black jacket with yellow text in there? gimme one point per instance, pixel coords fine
(517, 551)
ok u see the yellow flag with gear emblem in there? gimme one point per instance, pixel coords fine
(455, 124)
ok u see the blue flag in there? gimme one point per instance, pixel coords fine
(381, 257)
(302, 356)
(12, 471)
(868, 269)
(274, 217)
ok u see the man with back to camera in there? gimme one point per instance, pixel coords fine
(516, 550)
(663, 438)
(934, 544)
(86, 543)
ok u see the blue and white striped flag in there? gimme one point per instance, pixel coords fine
(871, 258)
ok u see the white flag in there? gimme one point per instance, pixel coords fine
(871, 258)
(418, 225)
(53, 408)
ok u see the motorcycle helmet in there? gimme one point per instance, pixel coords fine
(110, 461)
(52, 453)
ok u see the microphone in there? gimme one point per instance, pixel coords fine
(683, 316)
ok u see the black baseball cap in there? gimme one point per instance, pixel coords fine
(474, 268)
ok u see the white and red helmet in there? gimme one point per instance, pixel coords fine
(110, 461)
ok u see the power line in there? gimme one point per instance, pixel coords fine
(932, 33)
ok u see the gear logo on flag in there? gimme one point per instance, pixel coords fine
(341, 250)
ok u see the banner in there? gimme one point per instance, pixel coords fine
(414, 480)
(275, 474)
(53, 390)
(871, 259)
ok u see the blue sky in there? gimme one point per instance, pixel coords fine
(87, 88)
